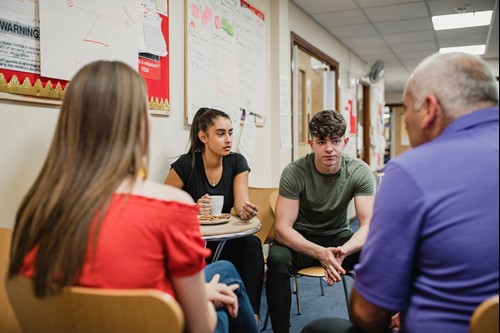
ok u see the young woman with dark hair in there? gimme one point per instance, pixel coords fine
(210, 168)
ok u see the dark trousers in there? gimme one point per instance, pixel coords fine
(246, 255)
(328, 325)
(282, 262)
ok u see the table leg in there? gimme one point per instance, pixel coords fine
(218, 250)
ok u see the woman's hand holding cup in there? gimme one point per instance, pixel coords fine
(204, 204)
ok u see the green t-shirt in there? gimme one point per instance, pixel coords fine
(324, 199)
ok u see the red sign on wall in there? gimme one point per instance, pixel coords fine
(149, 69)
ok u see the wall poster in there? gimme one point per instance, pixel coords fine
(39, 53)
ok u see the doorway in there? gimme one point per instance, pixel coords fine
(363, 121)
(314, 88)
(401, 139)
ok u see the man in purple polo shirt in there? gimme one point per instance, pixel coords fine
(432, 250)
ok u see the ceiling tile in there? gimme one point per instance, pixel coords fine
(388, 58)
(412, 63)
(446, 7)
(358, 30)
(412, 56)
(401, 12)
(378, 3)
(348, 17)
(464, 41)
(391, 27)
(464, 33)
(419, 36)
(321, 6)
(393, 67)
(371, 41)
(428, 45)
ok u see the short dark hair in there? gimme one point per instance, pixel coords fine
(327, 123)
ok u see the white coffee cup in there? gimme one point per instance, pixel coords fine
(216, 204)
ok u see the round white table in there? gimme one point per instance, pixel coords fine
(235, 228)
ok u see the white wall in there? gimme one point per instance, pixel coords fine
(26, 129)
(25, 135)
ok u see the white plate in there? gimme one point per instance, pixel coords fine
(214, 222)
(224, 219)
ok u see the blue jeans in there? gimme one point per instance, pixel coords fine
(245, 321)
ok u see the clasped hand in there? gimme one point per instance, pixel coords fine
(223, 295)
(331, 259)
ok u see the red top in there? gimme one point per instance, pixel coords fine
(143, 242)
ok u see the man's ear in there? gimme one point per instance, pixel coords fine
(432, 112)
(346, 140)
(202, 136)
(310, 141)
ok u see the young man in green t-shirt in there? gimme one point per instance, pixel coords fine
(312, 227)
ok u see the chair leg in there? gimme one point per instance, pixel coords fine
(297, 294)
(346, 291)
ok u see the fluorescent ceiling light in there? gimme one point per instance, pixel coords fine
(471, 49)
(464, 20)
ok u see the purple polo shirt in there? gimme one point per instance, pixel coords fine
(432, 250)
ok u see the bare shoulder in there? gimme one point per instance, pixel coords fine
(151, 189)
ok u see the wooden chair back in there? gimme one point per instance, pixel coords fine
(261, 197)
(83, 310)
(8, 321)
(485, 318)
(272, 201)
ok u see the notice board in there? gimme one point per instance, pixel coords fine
(225, 57)
(40, 54)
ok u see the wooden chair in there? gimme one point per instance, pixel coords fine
(272, 201)
(8, 321)
(485, 318)
(314, 272)
(262, 198)
(83, 310)
(318, 272)
(265, 198)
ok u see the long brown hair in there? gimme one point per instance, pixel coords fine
(101, 138)
(203, 119)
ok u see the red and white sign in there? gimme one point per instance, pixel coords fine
(149, 69)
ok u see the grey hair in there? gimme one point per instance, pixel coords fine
(461, 82)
